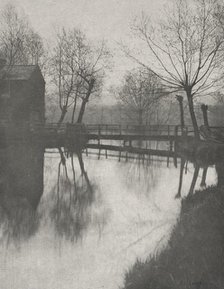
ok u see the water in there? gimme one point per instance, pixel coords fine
(84, 224)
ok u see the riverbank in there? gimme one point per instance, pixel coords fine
(204, 153)
(194, 257)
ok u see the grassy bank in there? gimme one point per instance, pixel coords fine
(194, 258)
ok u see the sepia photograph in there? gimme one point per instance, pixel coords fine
(112, 144)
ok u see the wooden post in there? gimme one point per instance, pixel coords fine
(168, 158)
(126, 159)
(171, 146)
(99, 132)
(176, 131)
(99, 154)
(168, 161)
(204, 109)
(175, 146)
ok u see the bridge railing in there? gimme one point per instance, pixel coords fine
(99, 129)
(171, 130)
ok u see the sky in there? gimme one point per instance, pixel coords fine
(99, 19)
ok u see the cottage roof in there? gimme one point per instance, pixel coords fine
(18, 72)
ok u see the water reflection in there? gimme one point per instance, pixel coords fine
(105, 214)
(72, 200)
(21, 187)
(196, 168)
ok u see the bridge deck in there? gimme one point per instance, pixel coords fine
(97, 132)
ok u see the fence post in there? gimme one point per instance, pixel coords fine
(119, 158)
(176, 130)
(99, 132)
(175, 146)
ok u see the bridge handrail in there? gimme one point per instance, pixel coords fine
(161, 129)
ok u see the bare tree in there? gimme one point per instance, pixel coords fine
(186, 48)
(219, 98)
(77, 69)
(140, 93)
(34, 48)
(19, 44)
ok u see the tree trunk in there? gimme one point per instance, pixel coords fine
(140, 120)
(82, 110)
(73, 112)
(192, 113)
(85, 100)
(63, 113)
(180, 100)
(140, 128)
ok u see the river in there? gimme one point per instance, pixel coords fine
(82, 223)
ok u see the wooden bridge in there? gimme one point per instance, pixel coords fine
(157, 140)
(100, 134)
(136, 132)
(52, 132)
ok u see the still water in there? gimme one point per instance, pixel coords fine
(83, 222)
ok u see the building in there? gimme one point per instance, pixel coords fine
(22, 92)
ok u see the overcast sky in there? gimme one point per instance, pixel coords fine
(100, 18)
(108, 19)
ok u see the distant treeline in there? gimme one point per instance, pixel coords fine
(165, 113)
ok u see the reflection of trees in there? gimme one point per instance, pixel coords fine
(183, 162)
(143, 174)
(194, 179)
(73, 199)
(220, 173)
(203, 179)
(18, 219)
(21, 187)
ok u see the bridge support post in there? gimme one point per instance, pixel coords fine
(119, 159)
